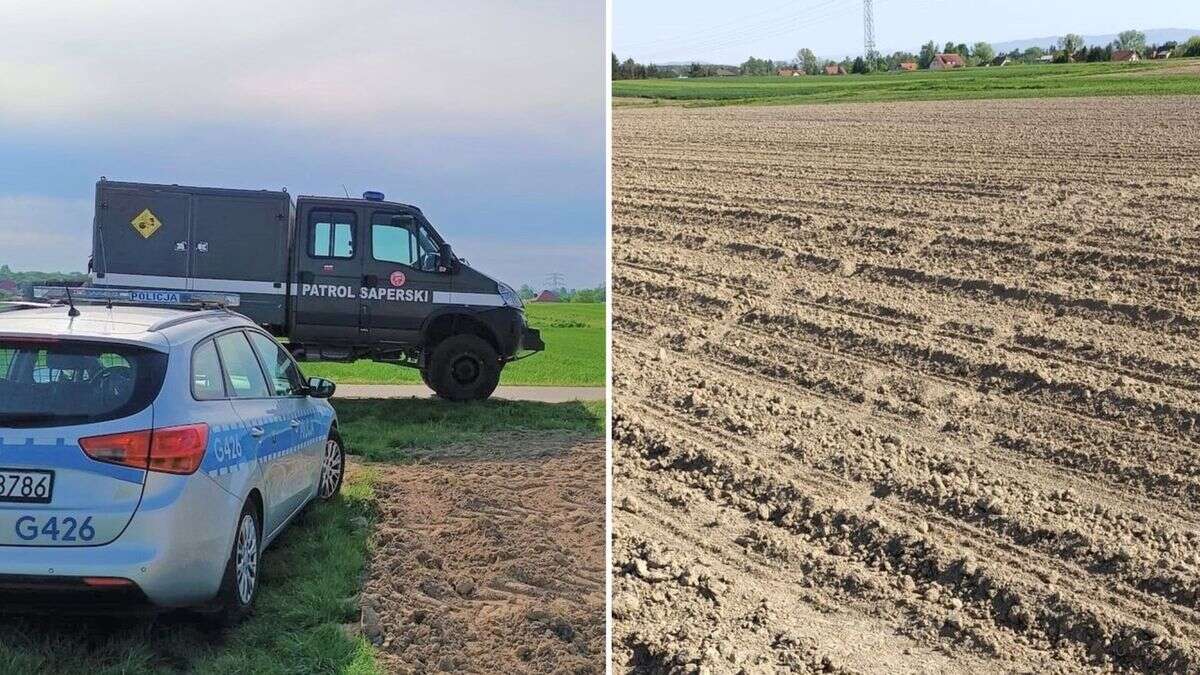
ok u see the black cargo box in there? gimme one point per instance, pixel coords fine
(195, 238)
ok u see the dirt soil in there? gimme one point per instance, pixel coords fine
(491, 561)
(908, 387)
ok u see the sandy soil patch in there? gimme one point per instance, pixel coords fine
(492, 561)
(908, 388)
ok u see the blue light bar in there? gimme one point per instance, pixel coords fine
(140, 296)
(373, 196)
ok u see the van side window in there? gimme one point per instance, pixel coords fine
(243, 376)
(207, 382)
(331, 235)
(392, 240)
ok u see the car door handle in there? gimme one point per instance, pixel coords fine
(257, 431)
(295, 424)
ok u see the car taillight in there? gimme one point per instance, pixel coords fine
(169, 449)
(131, 448)
(178, 449)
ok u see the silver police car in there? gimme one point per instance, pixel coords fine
(149, 455)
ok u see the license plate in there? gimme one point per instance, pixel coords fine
(26, 486)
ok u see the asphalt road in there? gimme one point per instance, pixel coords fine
(540, 394)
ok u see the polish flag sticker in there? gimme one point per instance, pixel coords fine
(398, 278)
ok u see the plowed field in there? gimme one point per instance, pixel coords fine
(908, 387)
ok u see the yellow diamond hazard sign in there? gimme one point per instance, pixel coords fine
(146, 223)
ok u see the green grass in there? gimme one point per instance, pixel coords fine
(309, 576)
(1020, 81)
(574, 356)
(399, 430)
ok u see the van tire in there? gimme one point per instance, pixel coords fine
(230, 607)
(463, 368)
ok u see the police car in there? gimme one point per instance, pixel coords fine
(148, 455)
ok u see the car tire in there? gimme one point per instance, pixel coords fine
(425, 377)
(464, 368)
(333, 467)
(239, 585)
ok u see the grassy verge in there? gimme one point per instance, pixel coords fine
(408, 429)
(574, 356)
(309, 576)
(1020, 81)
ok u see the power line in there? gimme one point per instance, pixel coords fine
(744, 37)
(733, 27)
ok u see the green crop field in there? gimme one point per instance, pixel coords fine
(1020, 81)
(574, 356)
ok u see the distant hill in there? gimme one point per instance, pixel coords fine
(1153, 37)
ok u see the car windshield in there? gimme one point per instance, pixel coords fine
(44, 384)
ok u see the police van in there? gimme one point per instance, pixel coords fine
(339, 278)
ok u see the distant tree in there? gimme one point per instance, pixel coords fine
(1033, 54)
(1132, 40)
(755, 66)
(928, 53)
(859, 67)
(896, 58)
(1070, 44)
(695, 70)
(984, 52)
(616, 68)
(526, 292)
(1191, 47)
(949, 48)
(807, 60)
(962, 50)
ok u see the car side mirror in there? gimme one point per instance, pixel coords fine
(447, 262)
(319, 387)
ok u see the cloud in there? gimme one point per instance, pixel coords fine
(407, 66)
(490, 116)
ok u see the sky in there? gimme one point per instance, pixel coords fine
(489, 116)
(718, 31)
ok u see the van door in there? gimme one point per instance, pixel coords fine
(236, 244)
(400, 275)
(329, 275)
(143, 238)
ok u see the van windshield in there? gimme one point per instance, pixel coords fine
(45, 384)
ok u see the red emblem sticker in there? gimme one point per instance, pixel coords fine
(398, 278)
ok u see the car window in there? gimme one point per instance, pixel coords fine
(284, 376)
(243, 376)
(392, 242)
(331, 235)
(207, 382)
(75, 382)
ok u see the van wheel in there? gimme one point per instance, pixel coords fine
(425, 377)
(464, 368)
(239, 586)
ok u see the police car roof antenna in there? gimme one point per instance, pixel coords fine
(70, 301)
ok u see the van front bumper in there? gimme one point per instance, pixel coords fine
(531, 340)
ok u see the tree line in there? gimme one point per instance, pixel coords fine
(596, 294)
(1070, 48)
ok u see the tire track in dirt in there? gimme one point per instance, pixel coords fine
(494, 561)
(928, 372)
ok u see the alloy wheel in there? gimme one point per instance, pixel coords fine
(246, 565)
(331, 468)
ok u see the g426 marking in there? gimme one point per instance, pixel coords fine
(68, 529)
